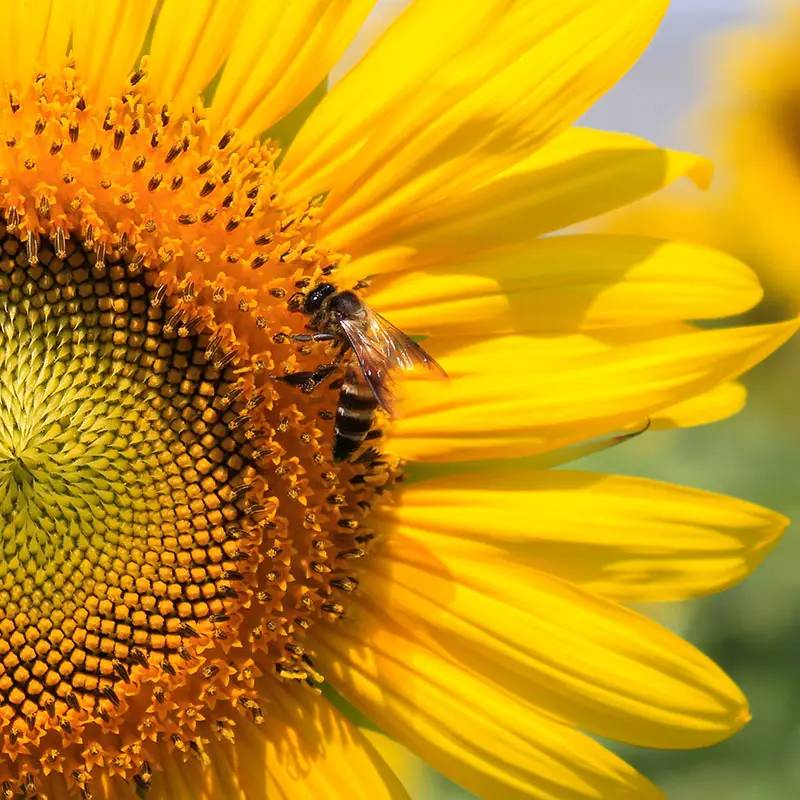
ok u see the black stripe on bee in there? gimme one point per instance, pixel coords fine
(354, 417)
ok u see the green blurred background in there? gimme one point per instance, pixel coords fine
(752, 630)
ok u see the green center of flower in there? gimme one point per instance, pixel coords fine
(173, 521)
(118, 475)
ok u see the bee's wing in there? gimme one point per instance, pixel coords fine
(381, 348)
(401, 350)
(374, 361)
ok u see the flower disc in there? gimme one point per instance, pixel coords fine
(171, 523)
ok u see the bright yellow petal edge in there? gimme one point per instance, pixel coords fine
(183, 564)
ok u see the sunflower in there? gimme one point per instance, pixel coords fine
(184, 564)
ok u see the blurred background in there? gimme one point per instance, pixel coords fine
(722, 78)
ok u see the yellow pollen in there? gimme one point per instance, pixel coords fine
(172, 521)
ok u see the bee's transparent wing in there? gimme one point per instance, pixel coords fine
(382, 348)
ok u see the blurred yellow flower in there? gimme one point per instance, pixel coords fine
(183, 561)
(751, 122)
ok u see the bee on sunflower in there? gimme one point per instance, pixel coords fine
(187, 556)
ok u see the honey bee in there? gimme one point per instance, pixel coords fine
(344, 319)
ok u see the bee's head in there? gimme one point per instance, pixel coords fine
(316, 297)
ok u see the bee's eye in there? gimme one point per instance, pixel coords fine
(316, 297)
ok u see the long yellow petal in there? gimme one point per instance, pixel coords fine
(579, 175)
(484, 88)
(568, 283)
(190, 43)
(282, 51)
(721, 402)
(477, 733)
(106, 39)
(505, 403)
(575, 655)
(32, 32)
(304, 749)
(625, 538)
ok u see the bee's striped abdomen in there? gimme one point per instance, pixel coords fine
(354, 415)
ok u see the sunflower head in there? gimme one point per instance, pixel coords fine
(171, 522)
(184, 560)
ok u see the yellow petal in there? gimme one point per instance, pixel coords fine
(504, 404)
(107, 37)
(625, 538)
(579, 175)
(576, 656)
(31, 35)
(477, 733)
(304, 749)
(190, 43)
(484, 88)
(721, 402)
(53, 47)
(411, 770)
(282, 51)
(568, 283)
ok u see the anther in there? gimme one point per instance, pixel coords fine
(345, 584)
(350, 555)
(32, 248)
(166, 665)
(61, 244)
(112, 696)
(173, 153)
(333, 608)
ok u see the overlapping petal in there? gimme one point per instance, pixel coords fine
(471, 729)
(572, 654)
(526, 396)
(567, 283)
(580, 174)
(190, 43)
(281, 52)
(721, 402)
(34, 36)
(305, 749)
(106, 40)
(486, 87)
(625, 538)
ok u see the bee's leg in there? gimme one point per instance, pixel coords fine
(297, 379)
(318, 376)
(312, 337)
